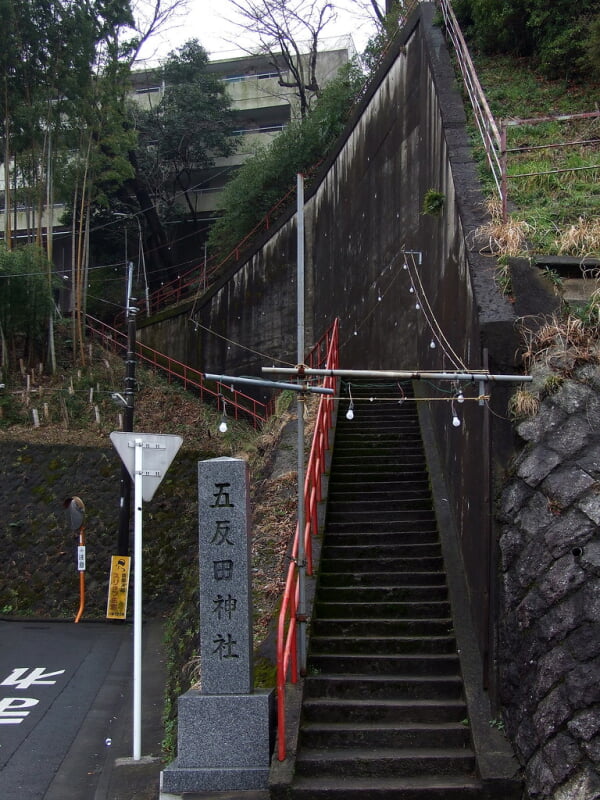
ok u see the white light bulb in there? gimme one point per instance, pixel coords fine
(432, 345)
(417, 307)
(460, 398)
(411, 290)
(349, 414)
(455, 421)
(223, 426)
(405, 265)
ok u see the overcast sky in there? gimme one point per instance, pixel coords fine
(210, 21)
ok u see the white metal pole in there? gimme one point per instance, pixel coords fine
(301, 610)
(137, 607)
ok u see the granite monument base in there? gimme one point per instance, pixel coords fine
(224, 743)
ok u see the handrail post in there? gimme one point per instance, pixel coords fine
(503, 171)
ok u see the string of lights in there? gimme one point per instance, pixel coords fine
(422, 303)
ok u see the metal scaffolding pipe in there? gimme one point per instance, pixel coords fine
(399, 374)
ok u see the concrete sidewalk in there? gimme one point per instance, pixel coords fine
(121, 777)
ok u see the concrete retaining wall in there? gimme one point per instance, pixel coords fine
(363, 211)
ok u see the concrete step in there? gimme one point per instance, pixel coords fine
(390, 429)
(419, 644)
(417, 490)
(322, 735)
(386, 761)
(393, 525)
(384, 481)
(408, 564)
(384, 444)
(371, 550)
(376, 463)
(348, 476)
(383, 662)
(427, 787)
(349, 579)
(377, 710)
(370, 687)
(339, 538)
(381, 594)
(376, 494)
(323, 630)
(430, 610)
(378, 512)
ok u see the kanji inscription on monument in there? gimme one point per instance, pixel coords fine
(225, 584)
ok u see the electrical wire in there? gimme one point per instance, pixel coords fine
(241, 346)
(431, 320)
(434, 325)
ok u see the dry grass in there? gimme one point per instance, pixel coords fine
(502, 238)
(581, 239)
(561, 343)
(523, 404)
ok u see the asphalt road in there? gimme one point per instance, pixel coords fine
(65, 711)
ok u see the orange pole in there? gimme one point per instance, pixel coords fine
(81, 579)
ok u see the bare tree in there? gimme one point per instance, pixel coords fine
(378, 10)
(153, 17)
(288, 32)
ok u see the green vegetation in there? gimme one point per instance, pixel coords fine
(562, 40)
(185, 131)
(433, 202)
(265, 179)
(554, 202)
(25, 304)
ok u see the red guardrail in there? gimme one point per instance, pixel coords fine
(323, 354)
(200, 277)
(242, 405)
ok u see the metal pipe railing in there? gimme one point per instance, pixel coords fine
(241, 404)
(484, 119)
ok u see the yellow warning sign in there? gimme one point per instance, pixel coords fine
(118, 587)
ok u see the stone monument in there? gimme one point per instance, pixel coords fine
(225, 730)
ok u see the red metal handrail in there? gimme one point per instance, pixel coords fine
(287, 653)
(242, 405)
(201, 276)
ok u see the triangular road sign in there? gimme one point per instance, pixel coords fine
(158, 451)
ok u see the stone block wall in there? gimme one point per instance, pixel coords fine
(550, 603)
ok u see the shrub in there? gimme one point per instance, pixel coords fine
(271, 172)
(563, 40)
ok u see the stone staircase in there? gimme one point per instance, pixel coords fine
(383, 710)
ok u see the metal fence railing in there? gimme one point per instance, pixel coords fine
(486, 124)
(494, 134)
(505, 150)
(238, 404)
